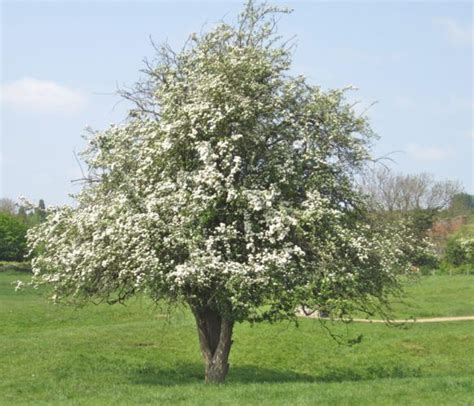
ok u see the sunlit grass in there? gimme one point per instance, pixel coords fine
(100, 355)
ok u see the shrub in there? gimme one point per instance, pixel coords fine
(12, 238)
(460, 251)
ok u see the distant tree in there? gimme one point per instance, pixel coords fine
(8, 206)
(230, 189)
(40, 211)
(396, 192)
(31, 214)
(12, 238)
(460, 251)
(417, 198)
(23, 214)
(461, 203)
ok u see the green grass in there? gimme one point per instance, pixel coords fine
(102, 355)
(437, 296)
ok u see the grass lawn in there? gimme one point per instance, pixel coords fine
(102, 355)
(437, 296)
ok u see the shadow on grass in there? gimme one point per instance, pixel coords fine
(189, 373)
(370, 373)
(192, 373)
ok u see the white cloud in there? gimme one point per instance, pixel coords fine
(456, 33)
(432, 153)
(41, 96)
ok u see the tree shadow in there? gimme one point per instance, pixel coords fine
(369, 373)
(181, 373)
(192, 373)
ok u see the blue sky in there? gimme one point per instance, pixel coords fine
(61, 62)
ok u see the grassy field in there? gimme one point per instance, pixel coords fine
(437, 296)
(139, 354)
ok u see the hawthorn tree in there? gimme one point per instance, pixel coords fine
(230, 188)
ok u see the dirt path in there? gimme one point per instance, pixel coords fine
(426, 320)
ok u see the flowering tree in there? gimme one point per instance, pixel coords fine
(230, 188)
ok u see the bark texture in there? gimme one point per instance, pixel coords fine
(215, 339)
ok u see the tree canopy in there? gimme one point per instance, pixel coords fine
(12, 237)
(15, 219)
(230, 188)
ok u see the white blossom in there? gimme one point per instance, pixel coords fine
(237, 192)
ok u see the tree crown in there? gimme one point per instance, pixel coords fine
(230, 187)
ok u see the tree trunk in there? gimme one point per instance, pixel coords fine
(215, 335)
